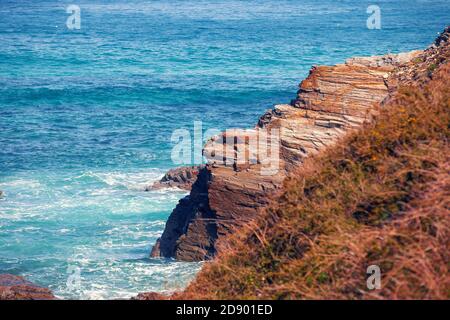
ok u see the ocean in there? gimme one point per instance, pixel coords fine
(87, 115)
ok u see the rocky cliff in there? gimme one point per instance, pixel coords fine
(246, 167)
(377, 199)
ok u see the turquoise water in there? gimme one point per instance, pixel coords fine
(86, 116)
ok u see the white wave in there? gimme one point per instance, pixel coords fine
(129, 180)
(109, 279)
(64, 231)
(21, 183)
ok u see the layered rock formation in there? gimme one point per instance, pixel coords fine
(246, 167)
(17, 288)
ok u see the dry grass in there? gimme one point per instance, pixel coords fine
(381, 197)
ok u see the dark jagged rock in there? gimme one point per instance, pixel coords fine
(194, 219)
(182, 178)
(443, 38)
(17, 288)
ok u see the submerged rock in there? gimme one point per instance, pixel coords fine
(17, 288)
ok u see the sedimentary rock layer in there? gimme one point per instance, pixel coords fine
(246, 167)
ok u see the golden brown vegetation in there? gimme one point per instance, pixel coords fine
(378, 197)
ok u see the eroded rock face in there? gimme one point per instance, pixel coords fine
(246, 167)
(182, 178)
(17, 288)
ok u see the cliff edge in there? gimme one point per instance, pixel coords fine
(374, 205)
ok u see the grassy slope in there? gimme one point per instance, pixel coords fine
(381, 196)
